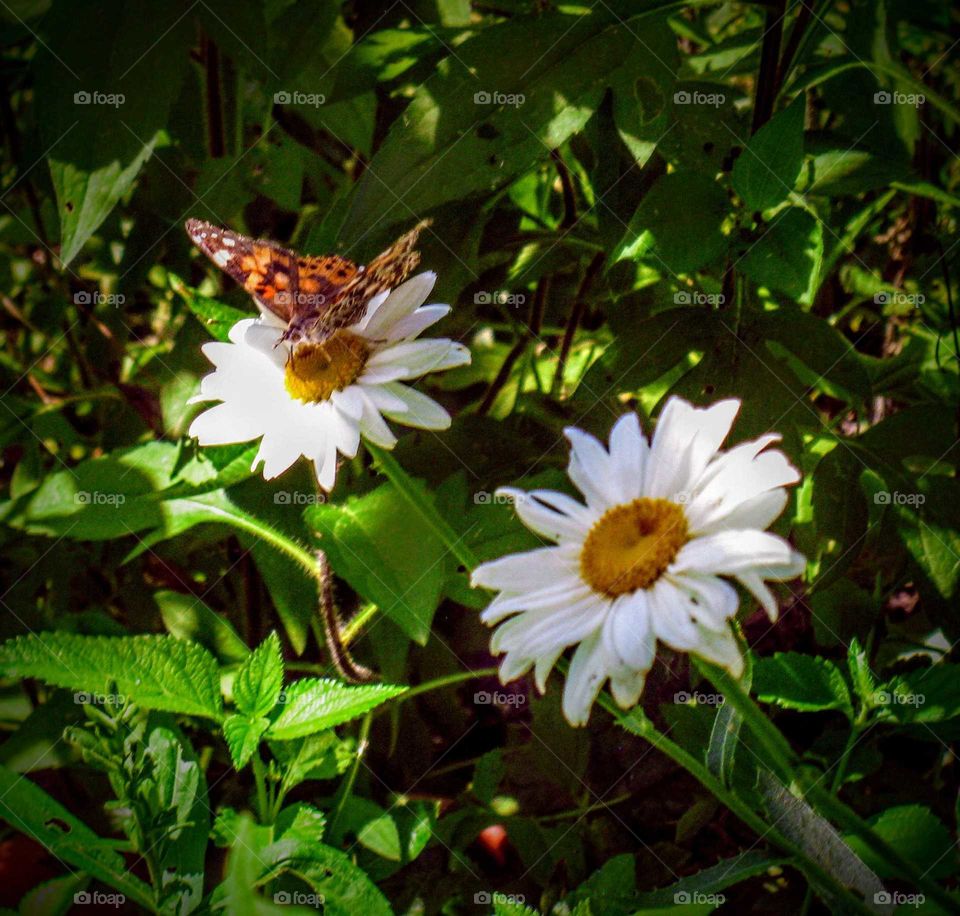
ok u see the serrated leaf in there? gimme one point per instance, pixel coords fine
(918, 834)
(767, 170)
(319, 756)
(243, 735)
(316, 704)
(29, 810)
(926, 694)
(156, 672)
(257, 685)
(805, 682)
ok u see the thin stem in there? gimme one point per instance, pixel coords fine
(576, 316)
(260, 778)
(405, 486)
(346, 787)
(436, 683)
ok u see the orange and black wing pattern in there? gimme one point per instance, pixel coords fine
(285, 283)
(315, 296)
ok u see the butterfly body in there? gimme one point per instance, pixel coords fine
(315, 295)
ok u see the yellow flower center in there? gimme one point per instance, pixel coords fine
(631, 545)
(315, 371)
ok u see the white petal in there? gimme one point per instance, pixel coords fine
(421, 411)
(626, 685)
(413, 325)
(591, 470)
(225, 424)
(373, 427)
(349, 401)
(628, 456)
(588, 671)
(277, 454)
(415, 358)
(669, 616)
(628, 634)
(685, 440)
(731, 553)
(722, 649)
(401, 302)
(325, 465)
(530, 570)
(554, 597)
(544, 666)
(543, 520)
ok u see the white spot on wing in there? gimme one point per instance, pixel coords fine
(221, 258)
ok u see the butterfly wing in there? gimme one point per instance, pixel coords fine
(386, 271)
(278, 279)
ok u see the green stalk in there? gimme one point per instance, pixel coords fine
(785, 762)
(406, 488)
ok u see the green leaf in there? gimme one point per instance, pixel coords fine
(29, 810)
(189, 618)
(787, 256)
(918, 834)
(318, 756)
(103, 91)
(796, 681)
(316, 704)
(491, 110)
(404, 576)
(257, 685)
(929, 694)
(156, 672)
(243, 736)
(177, 790)
(216, 317)
(767, 170)
(680, 238)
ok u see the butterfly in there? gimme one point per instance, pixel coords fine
(314, 295)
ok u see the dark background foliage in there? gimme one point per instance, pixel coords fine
(628, 200)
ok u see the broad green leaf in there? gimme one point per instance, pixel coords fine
(679, 239)
(796, 681)
(216, 317)
(190, 618)
(156, 672)
(243, 736)
(499, 104)
(929, 694)
(318, 756)
(53, 898)
(403, 575)
(918, 834)
(104, 87)
(786, 258)
(316, 704)
(29, 810)
(767, 170)
(256, 688)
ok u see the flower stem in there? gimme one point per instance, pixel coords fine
(414, 496)
(785, 762)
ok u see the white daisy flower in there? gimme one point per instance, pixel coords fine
(316, 400)
(665, 525)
